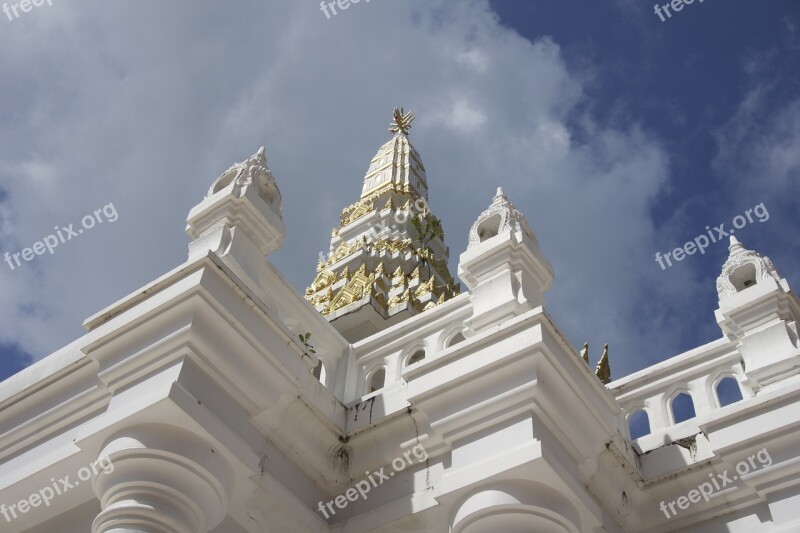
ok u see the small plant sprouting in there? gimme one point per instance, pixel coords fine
(304, 337)
(426, 228)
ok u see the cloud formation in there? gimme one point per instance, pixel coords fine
(144, 104)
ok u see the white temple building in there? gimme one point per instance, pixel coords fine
(386, 398)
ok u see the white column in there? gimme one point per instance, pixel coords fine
(702, 393)
(657, 411)
(162, 480)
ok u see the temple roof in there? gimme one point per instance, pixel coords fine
(397, 162)
(387, 259)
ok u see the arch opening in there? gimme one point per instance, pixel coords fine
(377, 381)
(418, 356)
(682, 408)
(455, 339)
(743, 277)
(489, 228)
(728, 391)
(638, 424)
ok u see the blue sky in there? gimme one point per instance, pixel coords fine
(616, 134)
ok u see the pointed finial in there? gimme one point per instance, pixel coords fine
(500, 192)
(603, 370)
(585, 352)
(401, 122)
(735, 245)
(258, 159)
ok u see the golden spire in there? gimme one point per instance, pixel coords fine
(402, 121)
(382, 260)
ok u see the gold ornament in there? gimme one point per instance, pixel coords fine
(603, 370)
(402, 121)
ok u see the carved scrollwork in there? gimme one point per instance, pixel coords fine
(253, 171)
(739, 257)
(510, 220)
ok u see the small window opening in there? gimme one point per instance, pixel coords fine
(682, 408)
(639, 424)
(418, 356)
(377, 381)
(728, 391)
(458, 337)
(489, 228)
(743, 277)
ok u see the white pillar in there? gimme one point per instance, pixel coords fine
(658, 413)
(163, 480)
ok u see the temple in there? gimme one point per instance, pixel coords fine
(390, 398)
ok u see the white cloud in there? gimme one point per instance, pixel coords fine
(145, 105)
(759, 162)
(460, 116)
(760, 145)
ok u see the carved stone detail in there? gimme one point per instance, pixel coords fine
(739, 256)
(251, 171)
(511, 220)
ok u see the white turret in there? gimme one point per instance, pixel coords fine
(503, 268)
(240, 219)
(757, 308)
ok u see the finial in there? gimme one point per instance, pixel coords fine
(585, 352)
(500, 192)
(603, 370)
(402, 121)
(735, 245)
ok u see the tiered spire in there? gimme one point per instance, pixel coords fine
(387, 258)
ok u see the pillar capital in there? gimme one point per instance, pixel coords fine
(163, 480)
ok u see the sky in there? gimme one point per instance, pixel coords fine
(617, 134)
